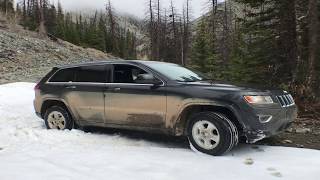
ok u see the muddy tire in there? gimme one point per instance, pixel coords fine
(58, 118)
(212, 133)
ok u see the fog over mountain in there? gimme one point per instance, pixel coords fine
(135, 7)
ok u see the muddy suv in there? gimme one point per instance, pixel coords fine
(161, 97)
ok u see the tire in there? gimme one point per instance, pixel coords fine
(212, 133)
(57, 117)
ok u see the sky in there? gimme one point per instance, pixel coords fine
(134, 7)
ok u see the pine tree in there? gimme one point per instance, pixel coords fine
(314, 46)
(19, 11)
(42, 7)
(101, 32)
(31, 14)
(113, 31)
(266, 52)
(60, 31)
(6, 6)
(200, 49)
(51, 19)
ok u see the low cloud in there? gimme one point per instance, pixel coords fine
(134, 7)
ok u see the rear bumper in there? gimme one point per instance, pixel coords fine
(39, 115)
(37, 108)
(256, 130)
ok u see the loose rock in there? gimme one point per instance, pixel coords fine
(287, 141)
(303, 130)
(271, 169)
(300, 146)
(248, 161)
(276, 174)
(290, 130)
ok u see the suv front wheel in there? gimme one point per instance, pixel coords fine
(212, 133)
(58, 118)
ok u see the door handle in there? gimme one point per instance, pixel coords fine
(71, 87)
(116, 89)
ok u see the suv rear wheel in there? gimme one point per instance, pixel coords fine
(212, 133)
(58, 118)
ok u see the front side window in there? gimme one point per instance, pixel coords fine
(130, 74)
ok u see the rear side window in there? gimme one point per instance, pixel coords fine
(93, 74)
(64, 75)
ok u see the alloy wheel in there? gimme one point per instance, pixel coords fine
(56, 120)
(205, 134)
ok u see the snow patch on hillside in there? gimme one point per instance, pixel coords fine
(28, 151)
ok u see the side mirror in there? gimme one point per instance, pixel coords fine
(147, 79)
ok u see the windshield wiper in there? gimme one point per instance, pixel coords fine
(199, 80)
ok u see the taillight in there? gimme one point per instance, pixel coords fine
(37, 86)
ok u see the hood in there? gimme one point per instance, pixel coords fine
(235, 87)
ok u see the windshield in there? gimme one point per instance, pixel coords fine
(178, 73)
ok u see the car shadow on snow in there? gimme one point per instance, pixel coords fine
(166, 140)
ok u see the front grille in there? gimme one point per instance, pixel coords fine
(286, 100)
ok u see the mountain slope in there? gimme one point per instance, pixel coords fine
(26, 57)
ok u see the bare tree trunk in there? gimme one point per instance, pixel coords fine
(158, 30)
(214, 6)
(151, 31)
(163, 35)
(42, 28)
(173, 20)
(112, 24)
(288, 39)
(28, 7)
(182, 40)
(24, 11)
(313, 44)
(186, 32)
(5, 7)
(174, 29)
(226, 35)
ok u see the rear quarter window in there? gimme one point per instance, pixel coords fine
(64, 75)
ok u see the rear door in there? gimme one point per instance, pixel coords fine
(84, 92)
(87, 95)
(133, 104)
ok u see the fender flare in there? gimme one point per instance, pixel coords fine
(181, 123)
(65, 104)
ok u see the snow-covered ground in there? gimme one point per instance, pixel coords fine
(29, 152)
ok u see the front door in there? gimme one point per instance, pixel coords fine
(132, 103)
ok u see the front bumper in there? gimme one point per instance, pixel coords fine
(282, 118)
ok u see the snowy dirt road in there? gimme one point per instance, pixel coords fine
(29, 152)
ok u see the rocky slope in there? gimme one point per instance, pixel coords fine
(26, 57)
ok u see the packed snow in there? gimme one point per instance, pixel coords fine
(28, 151)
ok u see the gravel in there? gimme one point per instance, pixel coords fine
(25, 57)
(303, 130)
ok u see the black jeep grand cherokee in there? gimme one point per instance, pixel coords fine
(164, 98)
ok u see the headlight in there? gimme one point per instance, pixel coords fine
(258, 99)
